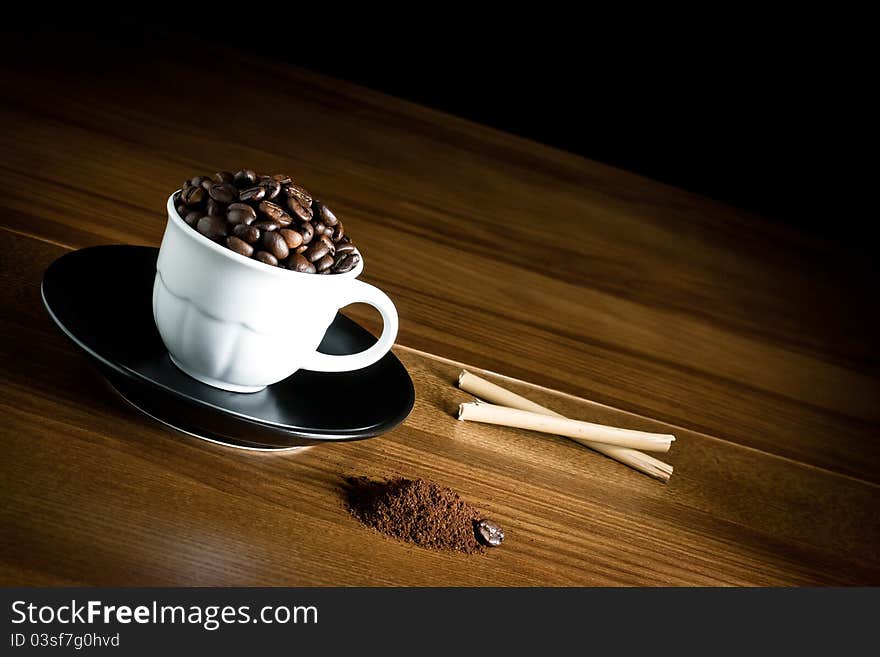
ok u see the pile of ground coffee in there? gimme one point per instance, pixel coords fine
(417, 511)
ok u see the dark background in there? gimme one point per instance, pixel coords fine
(769, 117)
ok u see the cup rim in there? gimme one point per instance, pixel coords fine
(200, 239)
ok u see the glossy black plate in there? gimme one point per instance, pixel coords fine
(100, 297)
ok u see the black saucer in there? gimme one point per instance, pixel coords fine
(101, 298)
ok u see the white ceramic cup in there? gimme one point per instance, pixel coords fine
(238, 324)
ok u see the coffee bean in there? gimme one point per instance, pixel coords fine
(224, 192)
(324, 263)
(212, 227)
(271, 186)
(241, 213)
(299, 209)
(244, 178)
(249, 234)
(254, 194)
(266, 258)
(193, 197)
(326, 216)
(275, 213)
(307, 232)
(215, 208)
(489, 533)
(276, 245)
(294, 190)
(347, 263)
(316, 251)
(240, 246)
(266, 225)
(331, 247)
(236, 209)
(292, 238)
(301, 264)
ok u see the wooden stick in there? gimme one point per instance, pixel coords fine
(575, 429)
(491, 392)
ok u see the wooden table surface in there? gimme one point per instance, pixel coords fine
(753, 343)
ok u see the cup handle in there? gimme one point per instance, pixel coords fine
(361, 292)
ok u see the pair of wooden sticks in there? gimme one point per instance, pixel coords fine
(511, 410)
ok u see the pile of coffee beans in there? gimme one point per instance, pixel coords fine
(267, 218)
(421, 512)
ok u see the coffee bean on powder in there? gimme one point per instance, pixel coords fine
(416, 511)
(293, 231)
(489, 532)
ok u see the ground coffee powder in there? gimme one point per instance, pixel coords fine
(417, 511)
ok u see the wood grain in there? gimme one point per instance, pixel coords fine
(751, 342)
